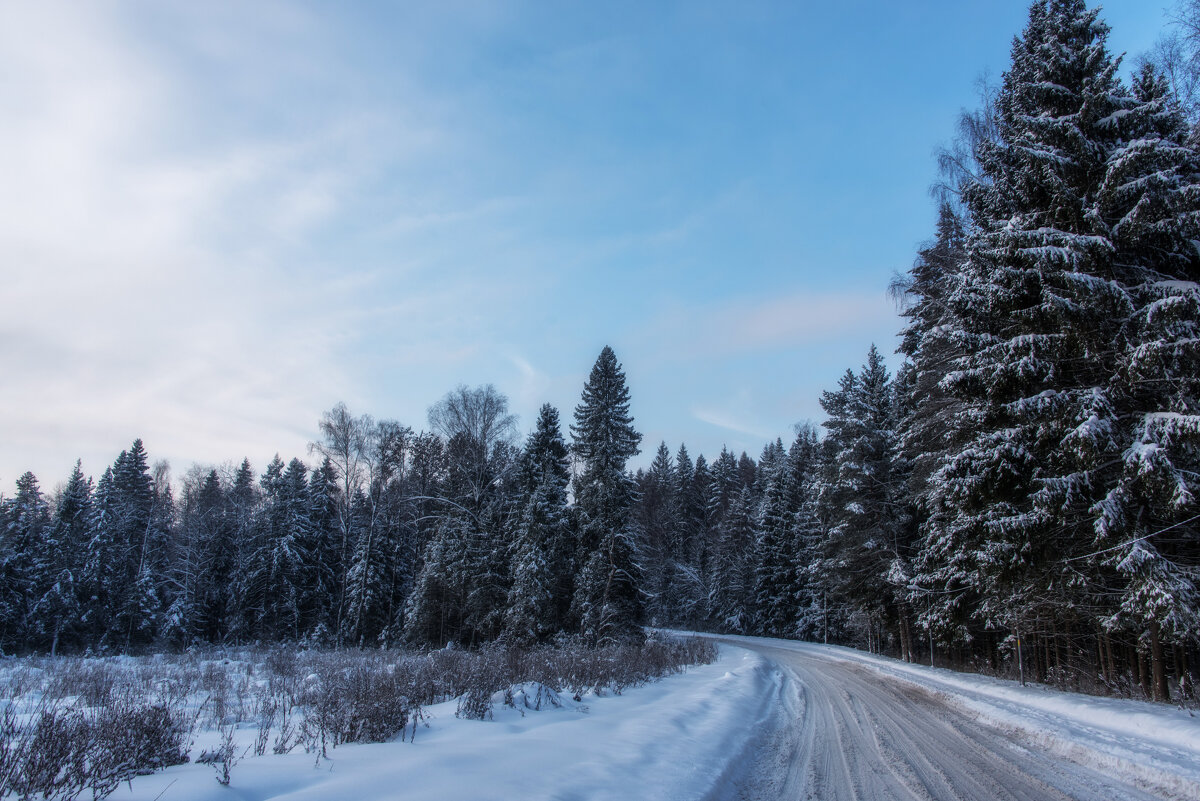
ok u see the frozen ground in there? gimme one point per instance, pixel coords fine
(771, 719)
(869, 727)
(689, 736)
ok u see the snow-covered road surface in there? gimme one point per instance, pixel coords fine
(863, 729)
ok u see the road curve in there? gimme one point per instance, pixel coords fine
(855, 734)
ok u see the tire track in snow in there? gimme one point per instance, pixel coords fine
(856, 735)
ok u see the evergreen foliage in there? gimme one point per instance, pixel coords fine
(1024, 489)
(607, 602)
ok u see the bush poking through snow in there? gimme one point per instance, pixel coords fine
(57, 753)
(75, 725)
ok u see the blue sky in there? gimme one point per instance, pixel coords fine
(223, 218)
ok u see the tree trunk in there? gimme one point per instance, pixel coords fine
(1177, 653)
(1020, 659)
(1161, 691)
(902, 630)
(1143, 677)
(1057, 649)
(1111, 670)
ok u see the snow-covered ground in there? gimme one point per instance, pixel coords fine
(1154, 746)
(688, 736)
(770, 718)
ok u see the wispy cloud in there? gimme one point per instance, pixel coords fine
(147, 285)
(793, 320)
(730, 421)
(220, 219)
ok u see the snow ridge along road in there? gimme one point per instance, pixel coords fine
(865, 727)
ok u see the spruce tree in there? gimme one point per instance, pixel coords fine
(863, 562)
(26, 520)
(657, 523)
(321, 576)
(133, 591)
(435, 611)
(287, 526)
(541, 556)
(775, 584)
(1146, 542)
(930, 425)
(607, 601)
(58, 607)
(731, 599)
(1069, 330)
(699, 554)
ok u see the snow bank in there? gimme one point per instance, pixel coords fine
(684, 737)
(1152, 744)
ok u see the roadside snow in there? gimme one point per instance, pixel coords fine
(683, 737)
(1153, 744)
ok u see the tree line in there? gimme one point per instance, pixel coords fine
(454, 534)
(1019, 496)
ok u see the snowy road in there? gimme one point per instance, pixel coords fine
(856, 734)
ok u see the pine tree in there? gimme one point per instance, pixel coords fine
(320, 591)
(688, 588)
(286, 524)
(930, 425)
(775, 585)
(58, 607)
(606, 597)
(657, 526)
(862, 561)
(435, 611)
(731, 599)
(1079, 226)
(1146, 542)
(26, 520)
(132, 590)
(541, 557)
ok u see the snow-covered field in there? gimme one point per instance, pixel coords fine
(767, 719)
(686, 736)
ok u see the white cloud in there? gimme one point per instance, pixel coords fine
(149, 290)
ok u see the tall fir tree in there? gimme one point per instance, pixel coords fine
(657, 523)
(58, 605)
(1079, 225)
(1146, 541)
(731, 597)
(607, 601)
(542, 551)
(23, 568)
(863, 562)
(776, 579)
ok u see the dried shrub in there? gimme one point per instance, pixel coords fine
(60, 753)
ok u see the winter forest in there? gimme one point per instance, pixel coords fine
(1019, 496)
